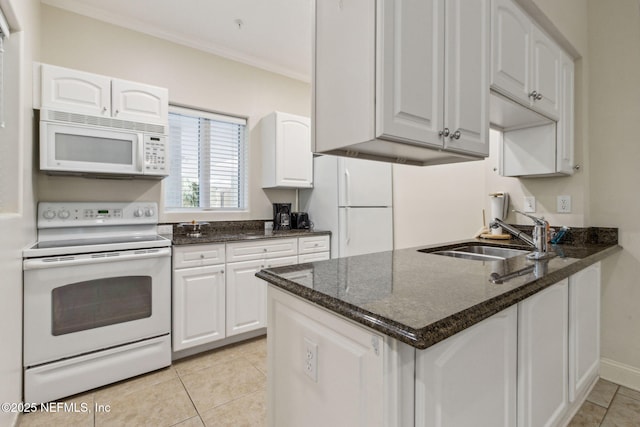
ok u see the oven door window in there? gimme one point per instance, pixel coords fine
(101, 302)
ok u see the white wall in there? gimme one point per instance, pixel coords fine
(17, 216)
(614, 50)
(194, 78)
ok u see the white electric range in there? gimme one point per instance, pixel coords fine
(97, 297)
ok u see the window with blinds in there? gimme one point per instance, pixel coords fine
(207, 155)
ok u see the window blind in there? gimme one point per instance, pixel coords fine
(207, 161)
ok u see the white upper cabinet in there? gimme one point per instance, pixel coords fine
(525, 61)
(565, 138)
(467, 69)
(75, 91)
(138, 102)
(402, 81)
(435, 71)
(545, 75)
(79, 92)
(412, 59)
(286, 151)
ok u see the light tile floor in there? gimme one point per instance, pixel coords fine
(226, 387)
(609, 405)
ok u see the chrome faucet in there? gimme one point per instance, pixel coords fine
(538, 240)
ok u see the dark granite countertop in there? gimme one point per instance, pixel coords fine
(215, 236)
(423, 298)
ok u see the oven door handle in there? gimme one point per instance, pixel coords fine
(97, 258)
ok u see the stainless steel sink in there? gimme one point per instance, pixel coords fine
(481, 252)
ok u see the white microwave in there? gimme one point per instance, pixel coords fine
(90, 149)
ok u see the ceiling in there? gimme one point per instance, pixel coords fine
(274, 35)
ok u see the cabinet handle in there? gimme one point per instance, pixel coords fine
(456, 135)
(445, 132)
(221, 271)
(201, 256)
(104, 109)
(264, 249)
(117, 112)
(535, 95)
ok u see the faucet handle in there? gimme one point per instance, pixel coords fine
(536, 220)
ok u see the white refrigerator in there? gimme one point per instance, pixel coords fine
(352, 198)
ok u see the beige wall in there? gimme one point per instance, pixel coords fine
(614, 51)
(17, 221)
(194, 78)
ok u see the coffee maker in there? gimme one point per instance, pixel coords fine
(282, 216)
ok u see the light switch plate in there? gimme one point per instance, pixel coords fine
(529, 204)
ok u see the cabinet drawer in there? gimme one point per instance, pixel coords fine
(275, 248)
(280, 262)
(311, 244)
(198, 255)
(318, 256)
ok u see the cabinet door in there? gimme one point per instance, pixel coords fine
(470, 378)
(364, 183)
(542, 357)
(138, 102)
(546, 74)
(294, 160)
(327, 371)
(75, 91)
(511, 50)
(198, 306)
(467, 68)
(410, 58)
(584, 330)
(565, 136)
(246, 297)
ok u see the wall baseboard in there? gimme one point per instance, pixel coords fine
(619, 373)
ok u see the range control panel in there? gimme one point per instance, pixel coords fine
(80, 214)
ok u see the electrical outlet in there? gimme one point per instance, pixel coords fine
(310, 359)
(529, 204)
(564, 204)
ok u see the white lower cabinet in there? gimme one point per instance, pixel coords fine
(247, 295)
(515, 368)
(584, 330)
(469, 379)
(216, 298)
(323, 370)
(543, 357)
(198, 306)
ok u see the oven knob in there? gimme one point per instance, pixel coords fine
(138, 212)
(49, 214)
(148, 212)
(64, 214)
